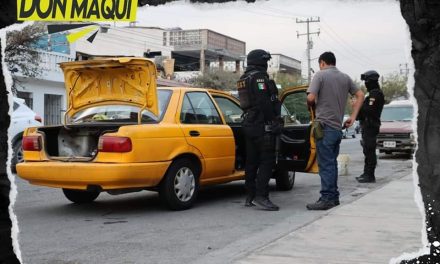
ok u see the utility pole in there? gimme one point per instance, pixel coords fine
(309, 42)
(405, 69)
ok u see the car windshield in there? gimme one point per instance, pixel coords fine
(121, 113)
(397, 113)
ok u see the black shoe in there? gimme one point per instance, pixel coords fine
(265, 204)
(366, 179)
(361, 176)
(249, 201)
(322, 205)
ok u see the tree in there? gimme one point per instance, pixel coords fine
(288, 80)
(20, 55)
(217, 79)
(394, 87)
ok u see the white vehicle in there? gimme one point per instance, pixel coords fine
(21, 118)
(349, 132)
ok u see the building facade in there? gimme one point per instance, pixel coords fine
(45, 94)
(284, 64)
(192, 52)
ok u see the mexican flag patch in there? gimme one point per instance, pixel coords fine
(261, 86)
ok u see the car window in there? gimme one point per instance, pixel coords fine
(187, 115)
(122, 113)
(397, 113)
(198, 108)
(231, 111)
(294, 109)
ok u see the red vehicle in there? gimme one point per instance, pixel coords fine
(396, 132)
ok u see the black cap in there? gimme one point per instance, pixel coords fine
(369, 76)
(258, 57)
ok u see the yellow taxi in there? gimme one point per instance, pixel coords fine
(123, 134)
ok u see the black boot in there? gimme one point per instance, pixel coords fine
(322, 205)
(361, 176)
(249, 201)
(366, 179)
(265, 204)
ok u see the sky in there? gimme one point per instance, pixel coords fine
(364, 35)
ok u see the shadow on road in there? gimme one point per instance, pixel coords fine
(397, 156)
(145, 201)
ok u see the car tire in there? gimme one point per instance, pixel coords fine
(179, 188)
(354, 135)
(80, 196)
(285, 180)
(17, 155)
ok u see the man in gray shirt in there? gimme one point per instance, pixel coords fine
(327, 95)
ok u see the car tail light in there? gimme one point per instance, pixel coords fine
(31, 143)
(38, 118)
(114, 144)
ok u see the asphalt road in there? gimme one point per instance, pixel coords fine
(136, 228)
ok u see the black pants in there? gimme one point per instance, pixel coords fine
(260, 161)
(369, 136)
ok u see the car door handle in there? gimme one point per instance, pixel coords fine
(194, 133)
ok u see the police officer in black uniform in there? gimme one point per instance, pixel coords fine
(261, 123)
(369, 117)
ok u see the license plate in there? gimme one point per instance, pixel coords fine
(389, 144)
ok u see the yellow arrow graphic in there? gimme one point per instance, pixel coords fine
(77, 35)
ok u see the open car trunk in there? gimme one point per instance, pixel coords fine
(76, 142)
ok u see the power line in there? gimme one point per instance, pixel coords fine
(146, 43)
(352, 55)
(146, 35)
(342, 54)
(344, 43)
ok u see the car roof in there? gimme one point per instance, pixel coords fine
(197, 89)
(400, 103)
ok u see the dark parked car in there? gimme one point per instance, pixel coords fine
(396, 132)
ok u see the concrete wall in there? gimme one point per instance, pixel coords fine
(39, 88)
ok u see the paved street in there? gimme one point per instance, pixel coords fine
(136, 228)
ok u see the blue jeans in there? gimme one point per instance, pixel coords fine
(328, 151)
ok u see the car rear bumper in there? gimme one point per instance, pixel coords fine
(402, 145)
(82, 175)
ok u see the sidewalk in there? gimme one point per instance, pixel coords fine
(373, 229)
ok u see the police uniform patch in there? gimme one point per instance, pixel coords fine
(261, 84)
(241, 84)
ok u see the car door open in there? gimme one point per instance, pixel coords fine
(297, 151)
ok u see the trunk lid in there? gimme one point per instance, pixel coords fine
(128, 81)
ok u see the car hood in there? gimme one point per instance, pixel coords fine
(396, 127)
(130, 81)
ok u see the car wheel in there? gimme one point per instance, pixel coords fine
(285, 180)
(180, 186)
(353, 136)
(17, 156)
(80, 196)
